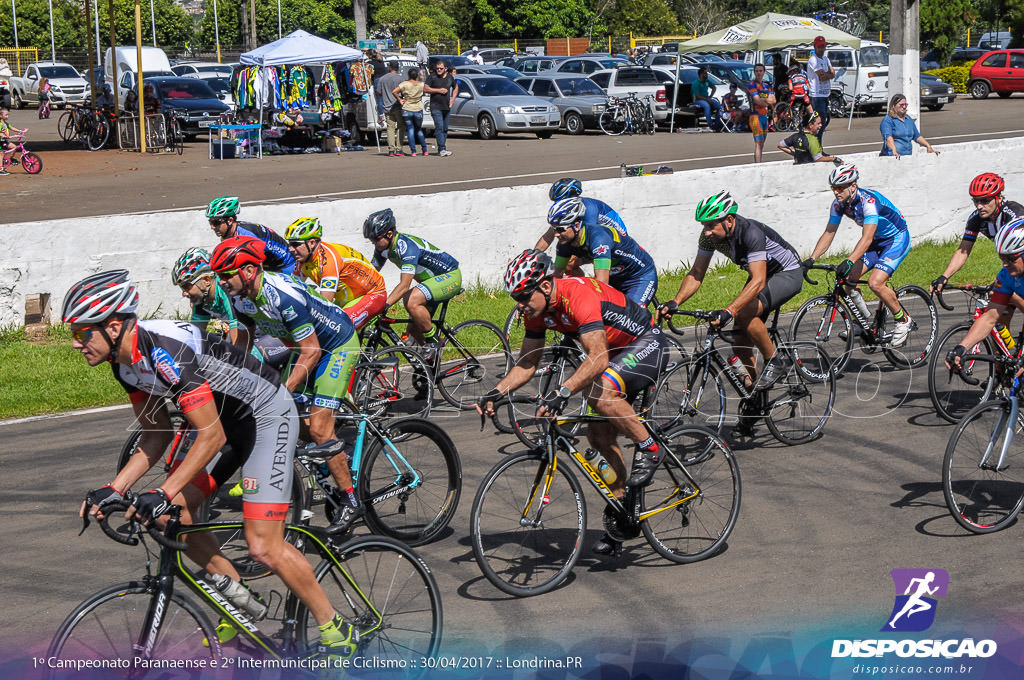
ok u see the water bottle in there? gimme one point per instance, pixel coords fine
(238, 595)
(858, 300)
(740, 371)
(597, 461)
(1006, 336)
(622, 170)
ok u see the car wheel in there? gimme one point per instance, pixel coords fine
(1004, 95)
(573, 123)
(487, 127)
(979, 89)
(935, 107)
(546, 134)
(355, 134)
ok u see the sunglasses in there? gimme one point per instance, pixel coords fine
(225, 275)
(1009, 259)
(523, 299)
(82, 335)
(983, 201)
(296, 244)
(217, 221)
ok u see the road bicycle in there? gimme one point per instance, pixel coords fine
(529, 515)
(29, 161)
(796, 408)
(175, 136)
(853, 21)
(833, 321)
(85, 126)
(954, 393)
(786, 117)
(378, 585)
(983, 469)
(629, 115)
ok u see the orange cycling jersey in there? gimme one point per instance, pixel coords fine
(343, 271)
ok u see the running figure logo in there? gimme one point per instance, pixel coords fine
(916, 590)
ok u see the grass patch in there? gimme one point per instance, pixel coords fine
(52, 377)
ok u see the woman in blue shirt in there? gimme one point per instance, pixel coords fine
(899, 131)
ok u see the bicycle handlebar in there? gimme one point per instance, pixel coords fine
(134, 525)
(829, 268)
(967, 288)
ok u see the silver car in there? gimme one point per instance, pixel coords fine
(487, 105)
(577, 97)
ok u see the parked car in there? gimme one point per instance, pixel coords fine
(732, 71)
(487, 105)
(202, 69)
(935, 93)
(865, 72)
(492, 54)
(962, 55)
(510, 60)
(356, 115)
(1001, 71)
(201, 104)
(5, 83)
(995, 40)
(67, 84)
(579, 99)
(220, 86)
(528, 65)
(451, 60)
(588, 65)
(154, 65)
(488, 70)
(666, 59)
(641, 80)
(688, 74)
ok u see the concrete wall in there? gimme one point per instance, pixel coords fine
(484, 228)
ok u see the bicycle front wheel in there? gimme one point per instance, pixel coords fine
(613, 121)
(66, 127)
(527, 535)
(399, 505)
(918, 304)
(801, 402)
(98, 133)
(688, 516)
(109, 624)
(384, 589)
(692, 393)
(394, 382)
(983, 486)
(828, 324)
(474, 359)
(31, 163)
(950, 394)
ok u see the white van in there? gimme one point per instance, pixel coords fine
(154, 63)
(995, 40)
(866, 74)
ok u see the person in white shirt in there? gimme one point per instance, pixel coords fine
(819, 80)
(475, 56)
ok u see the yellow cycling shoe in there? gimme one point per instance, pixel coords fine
(338, 639)
(236, 490)
(226, 632)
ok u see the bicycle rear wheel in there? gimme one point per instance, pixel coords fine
(110, 623)
(613, 120)
(984, 490)
(99, 130)
(683, 522)
(396, 508)
(66, 127)
(474, 358)
(829, 325)
(918, 304)
(689, 393)
(950, 394)
(393, 383)
(801, 402)
(527, 539)
(388, 594)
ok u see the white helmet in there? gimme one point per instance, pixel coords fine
(844, 175)
(97, 297)
(1010, 239)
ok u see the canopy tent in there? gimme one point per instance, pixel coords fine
(768, 32)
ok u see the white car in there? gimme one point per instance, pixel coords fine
(639, 80)
(202, 69)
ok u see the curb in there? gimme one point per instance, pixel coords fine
(49, 416)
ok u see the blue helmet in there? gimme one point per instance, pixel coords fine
(566, 212)
(567, 187)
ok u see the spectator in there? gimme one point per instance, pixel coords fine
(410, 95)
(422, 54)
(45, 94)
(106, 99)
(797, 85)
(780, 73)
(150, 104)
(899, 130)
(762, 100)
(804, 146)
(475, 56)
(819, 80)
(633, 55)
(441, 87)
(703, 91)
(384, 88)
(379, 71)
(733, 107)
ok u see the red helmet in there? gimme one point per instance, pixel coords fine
(236, 251)
(987, 185)
(526, 271)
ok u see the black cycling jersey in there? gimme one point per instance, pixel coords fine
(976, 226)
(752, 241)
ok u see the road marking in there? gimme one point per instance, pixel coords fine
(50, 416)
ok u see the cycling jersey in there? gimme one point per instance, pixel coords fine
(752, 241)
(177, 360)
(1006, 287)
(600, 213)
(583, 305)
(220, 308)
(608, 249)
(341, 270)
(870, 207)
(416, 256)
(976, 226)
(759, 93)
(798, 88)
(279, 258)
(806, 147)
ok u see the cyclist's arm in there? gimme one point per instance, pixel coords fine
(210, 439)
(784, 148)
(960, 256)
(603, 274)
(758, 270)
(867, 236)
(157, 434)
(694, 277)
(545, 240)
(327, 293)
(825, 240)
(399, 291)
(525, 367)
(595, 344)
(245, 337)
(983, 325)
(305, 363)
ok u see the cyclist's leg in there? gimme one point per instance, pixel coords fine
(777, 291)
(640, 290)
(363, 309)
(437, 289)
(883, 262)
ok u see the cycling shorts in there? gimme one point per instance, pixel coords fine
(640, 290)
(779, 288)
(759, 126)
(441, 287)
(638, 364)
(364, 308)
(887, 255)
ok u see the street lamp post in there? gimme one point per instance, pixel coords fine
(53, 47)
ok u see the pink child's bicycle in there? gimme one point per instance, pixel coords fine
(29, 161)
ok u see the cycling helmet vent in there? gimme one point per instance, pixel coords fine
(716, 206)
(232, 253)
(378, 224)
(225, 206)
(844, 175)
(1010, 239)
(192, 264)
(987, 185)
(566, 212)
(567, 187)
(95, 298)
(526, 271)
(304, 229)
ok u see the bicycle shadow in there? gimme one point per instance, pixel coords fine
(920, 495)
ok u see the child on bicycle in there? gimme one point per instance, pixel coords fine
(5, 139)
(798, 86)
(45, 95)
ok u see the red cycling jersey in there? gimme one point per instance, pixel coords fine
(583, 305)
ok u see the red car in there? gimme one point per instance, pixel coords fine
(999, 71)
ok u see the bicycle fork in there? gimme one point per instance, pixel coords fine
(1005, 426)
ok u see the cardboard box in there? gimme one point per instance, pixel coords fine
(37, 308)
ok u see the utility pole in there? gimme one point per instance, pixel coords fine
(360, 10)
(905, 54)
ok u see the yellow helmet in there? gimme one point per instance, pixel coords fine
(304, 229)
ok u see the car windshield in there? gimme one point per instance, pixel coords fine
(220, 85)
(215, 68)
(746, 73)
(498, 87)
(457, 61)
(185, 89)
(877, 55)
(613, 63)
(577, 87)
(504, 71)
(58, 72)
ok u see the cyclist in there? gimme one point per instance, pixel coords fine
(341, 274)
(991, 212)
(226, 396)
(1009, 284)
(223, 216)
(598, 212)
(798, 87)
(774, 275)
(883, 245)
(625, 353)
(324, 342)
(7, 147)
(437, 274)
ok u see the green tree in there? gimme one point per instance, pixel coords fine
(477, 19)
(642, 17)
(329, 19)
(943, 21)
(412, 20)
(173, 26)
(34, 27)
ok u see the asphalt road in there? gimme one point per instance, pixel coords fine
(821, 525)
(113, 182)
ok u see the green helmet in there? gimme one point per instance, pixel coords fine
(715, 207)
(303, 229)
(225, 206)
(192, 264)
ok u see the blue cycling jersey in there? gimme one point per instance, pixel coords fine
(625, 258)
(284, 308)
(279, 258)
(416, 256)
(1006, 286)
(600, 213)
(870, 207)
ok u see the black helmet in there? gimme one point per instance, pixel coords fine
(378, 224)
(567, 187)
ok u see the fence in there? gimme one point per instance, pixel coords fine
(18, 57)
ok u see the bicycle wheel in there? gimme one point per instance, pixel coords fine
(856, 22)
(99, 130)
(387, 592)
(984, 490)
(820, 320)
(526, 538)
(474, 358)
(110, 623)
(783, 117)
(950, 394)
(918, 304)
(801, 402)
(31, 163)
(691, 392)
(557, 364)
(612, 120)
(394, 506)
(686, 524)
(66, 127)
(394, 382)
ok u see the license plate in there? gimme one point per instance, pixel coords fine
(943, 100)
(538, 119)
(205, 123)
